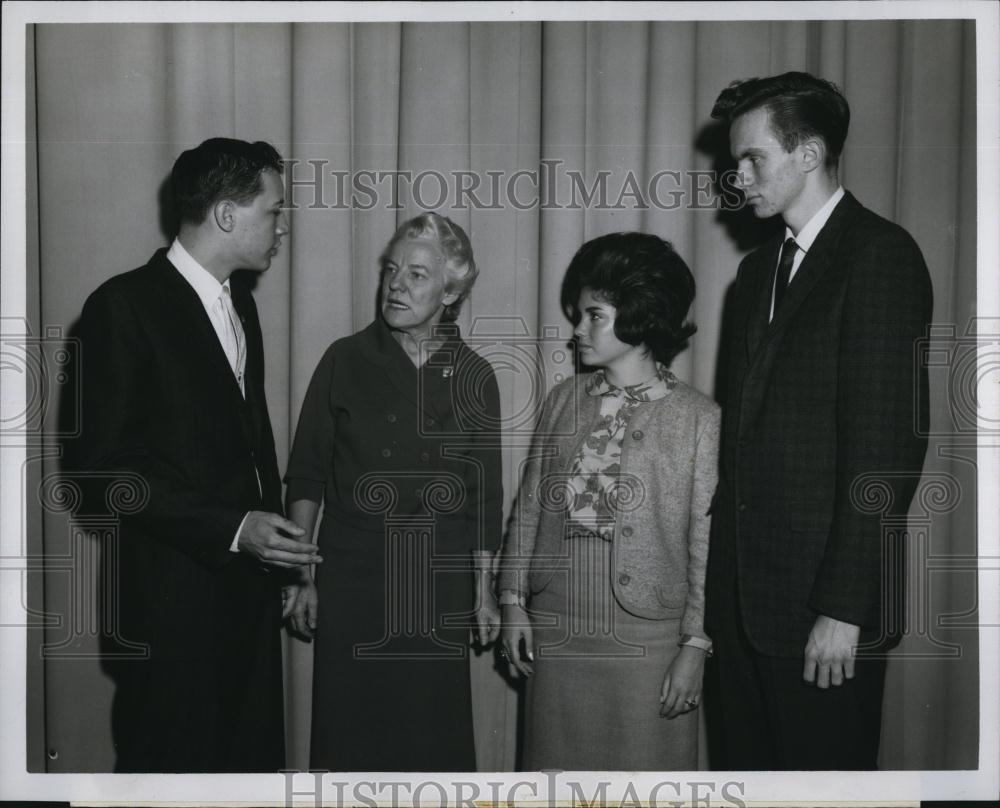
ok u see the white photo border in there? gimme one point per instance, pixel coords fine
(895, 787)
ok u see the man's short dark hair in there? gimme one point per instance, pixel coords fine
(220, 168)
(799, 106)
(647, 282)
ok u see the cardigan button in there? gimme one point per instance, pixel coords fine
(637, 435)
(391, 418)
(624, 579)
(627, 530)
(386, 453)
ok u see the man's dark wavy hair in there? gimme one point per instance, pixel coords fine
(220, 168)
(647, 282)
(799, 106)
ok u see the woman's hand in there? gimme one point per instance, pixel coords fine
(300, 606)
(681, 691)
(516, 629)
(487, 611)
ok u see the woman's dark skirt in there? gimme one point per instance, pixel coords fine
(391, 687)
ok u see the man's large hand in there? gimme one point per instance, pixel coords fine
(265, 537)
(830, 649)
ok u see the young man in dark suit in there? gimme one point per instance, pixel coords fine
(172, 375)
(821, 402)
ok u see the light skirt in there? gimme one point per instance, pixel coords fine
(593, 702)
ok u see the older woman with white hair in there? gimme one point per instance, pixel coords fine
(398, 438)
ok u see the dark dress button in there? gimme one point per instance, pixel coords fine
(637, 435)
(386, 453)
(742, 507)
(425, 456)
(391, 418)
(627, 530)
(624, 579)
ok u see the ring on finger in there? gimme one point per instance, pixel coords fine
(692, 703)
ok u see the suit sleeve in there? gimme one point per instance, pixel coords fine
(706, 477)
(116, 377)
(522, 532)
(309, 466)
(880, 444)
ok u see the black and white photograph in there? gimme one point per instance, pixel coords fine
(540, 403)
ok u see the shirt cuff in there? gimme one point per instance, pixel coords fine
(234, 547)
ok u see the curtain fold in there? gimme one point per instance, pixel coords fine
(555, 132)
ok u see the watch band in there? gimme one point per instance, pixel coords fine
(508, 597)
(696, 642)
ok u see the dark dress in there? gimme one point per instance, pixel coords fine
(407, 463)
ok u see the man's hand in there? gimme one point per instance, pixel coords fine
(300, 606)
(830, 649)
(265, 537)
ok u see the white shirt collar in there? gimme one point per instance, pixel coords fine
(202, 281)
(807, 235)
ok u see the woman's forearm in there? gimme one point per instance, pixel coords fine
(304, 512)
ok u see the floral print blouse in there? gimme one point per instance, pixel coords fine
(593, 484)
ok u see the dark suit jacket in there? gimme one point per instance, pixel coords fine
(160, 401)
(820, 441)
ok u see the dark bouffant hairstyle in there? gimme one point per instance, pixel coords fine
(220, 168)
(799, 106)
(646, 281)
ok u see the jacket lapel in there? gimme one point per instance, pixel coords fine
(760, 302)
(437, 378)
(761, 355)
(381, 350)
(817, 261)
(193, 318)
(250, 409)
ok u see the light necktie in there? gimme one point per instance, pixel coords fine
(788, 250)
(234, 341)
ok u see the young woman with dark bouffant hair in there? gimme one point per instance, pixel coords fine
(603, 569)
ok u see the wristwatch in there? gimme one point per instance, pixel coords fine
(697, 642)
(508, 597)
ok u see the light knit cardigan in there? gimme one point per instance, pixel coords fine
(669, 470)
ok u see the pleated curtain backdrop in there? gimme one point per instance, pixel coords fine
(113, 105)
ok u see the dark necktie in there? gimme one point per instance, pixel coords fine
(788, 250)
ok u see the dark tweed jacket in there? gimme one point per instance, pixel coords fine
(820, 413)
(660, 542)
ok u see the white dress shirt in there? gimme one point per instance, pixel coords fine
(208, 289)
(806, 236)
